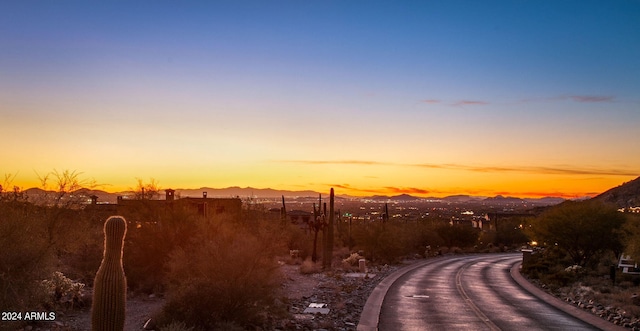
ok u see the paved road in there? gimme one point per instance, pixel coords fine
(472, 292)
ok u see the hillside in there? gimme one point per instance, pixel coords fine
(623, 196)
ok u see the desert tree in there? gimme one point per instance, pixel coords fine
(60, 187)
(58, 209)
(632, 238)
(147, 190)
(583, 230)
(9, 191)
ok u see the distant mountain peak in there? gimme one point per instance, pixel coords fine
(405, 196)
(400, 197)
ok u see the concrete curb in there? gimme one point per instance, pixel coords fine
(562, 305)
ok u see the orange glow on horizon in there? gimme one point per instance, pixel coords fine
(513, 186)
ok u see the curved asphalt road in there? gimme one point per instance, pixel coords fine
(471, 292)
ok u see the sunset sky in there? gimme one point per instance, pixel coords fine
(431, 98)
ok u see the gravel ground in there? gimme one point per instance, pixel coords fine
(344, 294)
(584, 297)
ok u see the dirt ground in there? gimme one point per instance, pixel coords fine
(138, 310)
(296, 285)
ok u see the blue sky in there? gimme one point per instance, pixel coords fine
(255, 93)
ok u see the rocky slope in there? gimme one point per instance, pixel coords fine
(623, 196)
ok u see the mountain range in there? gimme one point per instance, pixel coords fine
(623, 196)
(268, 193)
(272, 193)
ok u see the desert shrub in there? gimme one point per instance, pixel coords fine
(487, 240)
(223, 275)
(25, 257)
(391, 241)
(62, 290)
(550, 270)
(549, 265)
(509, 232)
(309, 267)
(281, 238)
(535, 265)
(353, 259)
(424, 238)
(458, 235)
(627, 280)
(382, 243)
(295, 238)
(83, 264)
(558, 278)
(455, 250)
(149, 242)
(66, 229)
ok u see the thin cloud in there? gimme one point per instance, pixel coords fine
(353, 189)
(557, 170)
(389, 190)
(459, 103)
(342, 186)
(430, 101)
(347, 162)
(433, 166)
(538, 170)
(591, 98)
(574, 98)
(462, 103)
(582, 98)
(576, 171)
(407, 190)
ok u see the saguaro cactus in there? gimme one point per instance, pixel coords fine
(316, 225)
(385, 215)
(328, 247)
(283, 211)
(109, 287)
